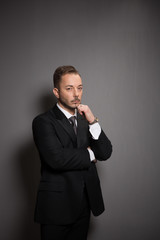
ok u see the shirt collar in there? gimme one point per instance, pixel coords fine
(66, 113)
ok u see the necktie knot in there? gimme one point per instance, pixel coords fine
(73, 122)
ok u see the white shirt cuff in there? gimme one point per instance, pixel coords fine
(95, 130)
(91, 154)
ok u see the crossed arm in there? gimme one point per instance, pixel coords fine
(65, 158)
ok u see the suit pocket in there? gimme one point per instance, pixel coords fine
(51, 186)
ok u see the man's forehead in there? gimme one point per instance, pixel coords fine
(71, 79)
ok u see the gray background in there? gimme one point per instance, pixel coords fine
(116, 47)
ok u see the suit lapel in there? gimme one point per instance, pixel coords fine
(63, 121)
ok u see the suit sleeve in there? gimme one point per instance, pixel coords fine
(102, 147)
(53, 153)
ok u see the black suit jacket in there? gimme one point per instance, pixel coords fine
(66, 167)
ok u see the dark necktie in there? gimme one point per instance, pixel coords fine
(73, 122)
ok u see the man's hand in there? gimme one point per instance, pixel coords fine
(84, 109)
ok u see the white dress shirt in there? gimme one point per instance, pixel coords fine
(94, 129)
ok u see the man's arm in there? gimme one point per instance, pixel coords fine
(52, 152)
(101, 145)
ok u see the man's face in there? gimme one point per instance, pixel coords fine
(70, 91)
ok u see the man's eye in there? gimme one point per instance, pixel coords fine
(80, 88)
(68, 89)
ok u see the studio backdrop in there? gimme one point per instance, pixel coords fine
(115, 45)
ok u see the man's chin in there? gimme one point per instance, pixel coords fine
(75, 105)
(71, 106)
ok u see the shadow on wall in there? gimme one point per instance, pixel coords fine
(29, 169)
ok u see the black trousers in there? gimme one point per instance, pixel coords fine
(78, 230)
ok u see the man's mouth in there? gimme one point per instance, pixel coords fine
(75, 101)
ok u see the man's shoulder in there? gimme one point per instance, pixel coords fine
(45, 116)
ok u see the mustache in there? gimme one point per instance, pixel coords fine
(75, 99)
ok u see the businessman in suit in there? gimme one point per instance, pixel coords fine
(70, 141)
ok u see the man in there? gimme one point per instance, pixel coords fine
(69, 140)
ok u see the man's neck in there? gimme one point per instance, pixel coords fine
(66, 112)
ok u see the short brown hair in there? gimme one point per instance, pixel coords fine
(60, 71)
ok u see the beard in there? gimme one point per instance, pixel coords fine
(70, 107)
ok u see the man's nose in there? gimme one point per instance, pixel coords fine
(76, 92)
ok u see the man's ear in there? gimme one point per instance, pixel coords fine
(56, 92)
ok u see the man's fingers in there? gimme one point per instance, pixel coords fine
(79, 110)
(84, 109)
